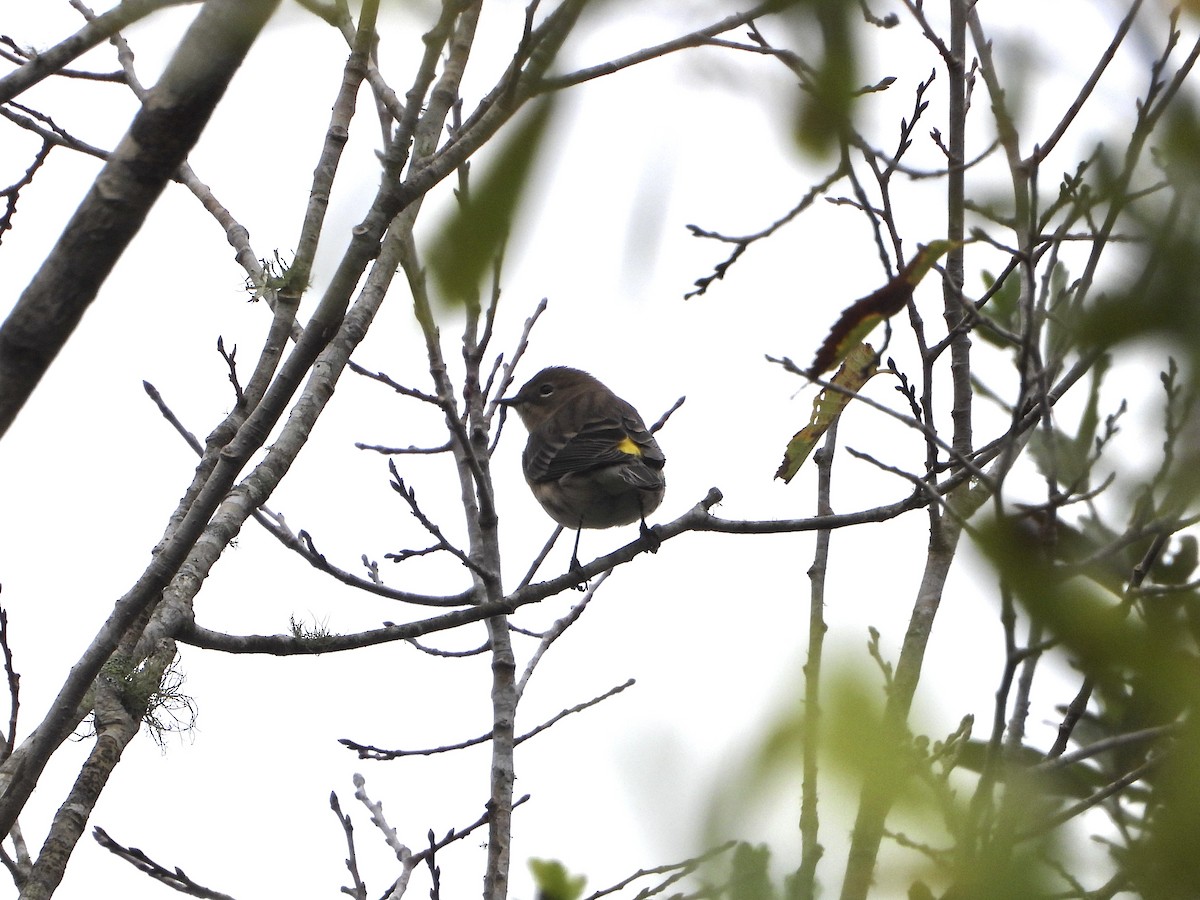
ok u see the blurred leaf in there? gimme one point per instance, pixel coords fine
(1058, 458)
(861, 317)
(823, 111)
(855, 372)
(1077, 781)
(1093, 625)
(554, 882)
(853, 742)
(1165, 862)
(750, 878)
(1160, 296)
(1085, 437)
(1001, 307)
(467, 245)
(997, 874)
(1066, 459)
(1179, 566)
(1144, 668)
(1063, 312)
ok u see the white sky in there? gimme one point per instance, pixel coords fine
(713, 628)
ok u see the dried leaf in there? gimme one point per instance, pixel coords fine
(861, 317)
(855, 372)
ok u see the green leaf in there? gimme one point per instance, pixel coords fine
(1085, 438)
(1062, 322)
(467, 245)
(1068, 459)
(1058, 456)
(554, 882)
(1001, 306)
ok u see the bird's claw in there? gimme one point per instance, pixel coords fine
(576, 566)
(650, 536)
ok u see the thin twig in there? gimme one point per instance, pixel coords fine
(410, 497)
(662, 420)
(1087, 803)
(555, 631)
(686, 867)
(367, 751)
(14, 688)
(359, 891)
(175, 878)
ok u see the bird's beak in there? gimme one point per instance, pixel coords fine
(507, 401)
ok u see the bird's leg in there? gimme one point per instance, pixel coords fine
(575, 564)
(649, 535)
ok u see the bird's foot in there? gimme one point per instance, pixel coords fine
(650, 536)
(577, 567)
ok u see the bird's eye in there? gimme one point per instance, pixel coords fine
(546, 390)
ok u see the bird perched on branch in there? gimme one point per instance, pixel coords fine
(590, 460)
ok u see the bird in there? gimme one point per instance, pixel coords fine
(590, 460)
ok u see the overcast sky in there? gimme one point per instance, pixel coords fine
(713, 628)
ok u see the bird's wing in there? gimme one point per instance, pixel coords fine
(595, 445)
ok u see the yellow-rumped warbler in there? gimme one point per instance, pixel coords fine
(590, 461)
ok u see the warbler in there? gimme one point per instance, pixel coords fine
(590, 460)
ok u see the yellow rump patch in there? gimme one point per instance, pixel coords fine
(628, 446)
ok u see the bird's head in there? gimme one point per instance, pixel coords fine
(547, 391)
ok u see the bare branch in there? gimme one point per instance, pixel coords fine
(461, 833)
(743, 242)
(303, 543)
(231, 361)
(406, 451)
(410, 497)
(68, 281)
(676, 870)
(50, 62)
(383, 378)
(662, 420)
(13, 192)
(1076, 809)
(174, 878)
(366, 751)
(555, 631)
(14, 688)
(1043, 149)
(45, 128)
(1145, 735)
(698, 38)
(359, 891)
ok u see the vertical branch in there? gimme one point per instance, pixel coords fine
(810, 848)
(1023, 176)
(14, 688)
(952, 285)
(468, 432)
(880, 786)
(469, 443)
(121, 701)
(47, 312)
(1018, 789)
(336, 136)
(982, 801)
(158, 140)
